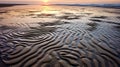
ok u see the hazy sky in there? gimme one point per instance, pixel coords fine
(60, 1)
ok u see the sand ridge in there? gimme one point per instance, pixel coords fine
(79, 38)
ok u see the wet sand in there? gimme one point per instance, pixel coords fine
(59, 36)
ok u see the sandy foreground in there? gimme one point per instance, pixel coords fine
(59, 36)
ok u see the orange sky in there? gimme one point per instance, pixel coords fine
(68, 1)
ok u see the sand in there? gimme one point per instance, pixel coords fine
(59, 36)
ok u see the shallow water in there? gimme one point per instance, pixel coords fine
(59, 36)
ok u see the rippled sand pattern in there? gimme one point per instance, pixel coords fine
(59, 36)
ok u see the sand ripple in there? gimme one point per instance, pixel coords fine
(89, 43)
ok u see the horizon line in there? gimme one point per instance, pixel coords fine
(40, 2)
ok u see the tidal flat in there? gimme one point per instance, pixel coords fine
(59, 36)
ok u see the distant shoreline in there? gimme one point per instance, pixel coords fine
(9, 5)
(117, 6)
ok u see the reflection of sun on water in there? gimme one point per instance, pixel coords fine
(49, 10)
(45, 2)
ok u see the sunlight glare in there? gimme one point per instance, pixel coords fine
(45, 1)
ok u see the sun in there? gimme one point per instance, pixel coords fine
(45, 1)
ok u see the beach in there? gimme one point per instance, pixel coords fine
(59, 36)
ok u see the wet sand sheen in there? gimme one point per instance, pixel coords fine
(58, 36)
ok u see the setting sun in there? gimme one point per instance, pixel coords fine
(45, 1)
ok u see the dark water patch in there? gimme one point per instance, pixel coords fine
(31, 15)
(115, 12)
(92, 26)
(88, 13)
(72, 17)
(96, 20)
(101, 17)
(34, 17)
(1, 12)
(1, 18)
(33, 11)
(118, 26)
(45, 15)
(66, 13)
(53, 23)
(3, 27)
(63, 17)
(118, 17)
(69, 17)
(112, 22)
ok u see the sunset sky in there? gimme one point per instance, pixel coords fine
(60, 1)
